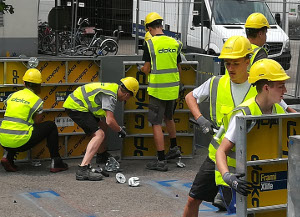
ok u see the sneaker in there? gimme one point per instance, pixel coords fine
(7, 162)
(57, 165)
(173, 153)
(218, 202)
(88, 173)
(157, 165)
(103, 157)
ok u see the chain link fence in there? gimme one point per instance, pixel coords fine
(202, 25)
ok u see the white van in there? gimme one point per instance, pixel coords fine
(204, 26)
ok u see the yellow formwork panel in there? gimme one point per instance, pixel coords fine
(291, 126)
(141, 100)
(77, 145)
(41, 151)
(144, 146)
(1, 72)
(137, 123)
(83, 71)
(55, 96)
(267, 146)
(15, 72)
(278, 213)
(64, 123)
(52, 71)
(269, 183)
(188, 74)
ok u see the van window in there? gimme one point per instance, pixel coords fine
(223, 13)
(197, 13)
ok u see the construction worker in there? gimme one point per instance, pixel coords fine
(256, 27)
(269, 78)
(162, 58)
(22, 128)
(92, 107)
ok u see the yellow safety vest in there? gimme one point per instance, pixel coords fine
(249, 107)
(256, 49)
(17, 125)
(221, 103)
(83, 98)
(164, 77)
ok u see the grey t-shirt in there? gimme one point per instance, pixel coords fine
(107, 102)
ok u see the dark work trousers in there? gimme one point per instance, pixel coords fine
(47, 129)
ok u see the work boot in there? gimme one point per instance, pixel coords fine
(173, 153)
(8, 163)
(218, 202)
(157, 165)
(103, 157)
(88, 173)
(57, 165)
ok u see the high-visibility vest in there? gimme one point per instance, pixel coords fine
(17, 125)
(221, 103)
(256, 49)
(164, 77)
(249, 107)
(83, 98)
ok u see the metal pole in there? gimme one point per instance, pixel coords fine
(202, 19)
(56, 31)
(137, 27)
(211, 19)
(178, 18)
(72, 28)
(75, 22)
(297, 94)
(284, 15)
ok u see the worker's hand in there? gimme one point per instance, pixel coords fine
(181, 87)
(122, 133)
(241, 186)
(205, 125)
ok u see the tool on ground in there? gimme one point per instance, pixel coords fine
(134, 181)
(120, 178)
(100, 170)
(179, 163)
(112, 165)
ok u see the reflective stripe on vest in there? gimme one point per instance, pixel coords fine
(86, 102)
(256, 49)
(16, 127)
(164, 79)
(249, 107)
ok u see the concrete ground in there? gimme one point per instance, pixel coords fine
(35, 192)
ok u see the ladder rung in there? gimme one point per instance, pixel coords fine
(266, 208)
(267, 161)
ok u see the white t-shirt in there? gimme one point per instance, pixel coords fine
(238, 91)
(232, 129)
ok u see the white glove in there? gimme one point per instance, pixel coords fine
(134, 181)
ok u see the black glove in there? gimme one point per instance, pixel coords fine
(181, 87)
(122, 133)
(205, 125)
(241, 186)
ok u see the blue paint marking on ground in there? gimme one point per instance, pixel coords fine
(188, 184)
(210, 206)
(166, 183)
(38, 194)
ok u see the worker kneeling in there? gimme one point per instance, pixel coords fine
(22, 128)
(269, 78)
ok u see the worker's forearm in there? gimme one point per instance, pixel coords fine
(193, 105)
(221, 161)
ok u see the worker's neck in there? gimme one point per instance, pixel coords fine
(256, 41)
(264, 104)
(157, 31)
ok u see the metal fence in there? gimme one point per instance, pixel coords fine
(202, 25)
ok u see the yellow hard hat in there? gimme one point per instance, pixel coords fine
(152, 17)
(147, 36)
(236, 47)
(256, 21)
(131, 84)
(267, 69)
(33, 76)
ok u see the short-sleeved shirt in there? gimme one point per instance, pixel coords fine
(107, 102)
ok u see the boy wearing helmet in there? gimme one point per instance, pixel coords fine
(92, 107)
(22, 129)
(162, 58)
(269, 78)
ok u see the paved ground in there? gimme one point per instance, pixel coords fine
(35, 192)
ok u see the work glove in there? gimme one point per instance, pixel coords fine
(241, 186)
(181, 88)
(205, 125)
(122, 133)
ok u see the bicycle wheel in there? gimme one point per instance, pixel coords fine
(48, 44)
(108, 47)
